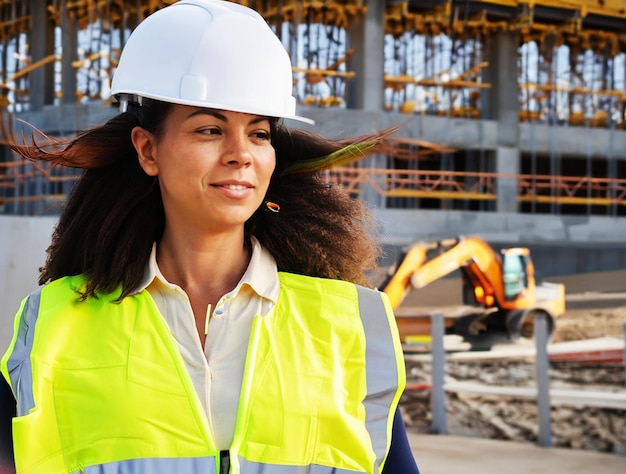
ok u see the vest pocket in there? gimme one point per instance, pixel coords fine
(101, 418)
(282, 425)
(35, 452)
(162, 377)
(93, 401)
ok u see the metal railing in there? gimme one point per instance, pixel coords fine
(461, 185)
(37, 188)
(34, 188)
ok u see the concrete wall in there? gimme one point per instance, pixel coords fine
(560, 245)
(401, 226)
(23, 244)
(454, 132)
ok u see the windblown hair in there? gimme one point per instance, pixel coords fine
(115, 212)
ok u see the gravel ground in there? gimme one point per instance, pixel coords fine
(589, 315)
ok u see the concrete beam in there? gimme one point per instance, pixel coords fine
(572, 141)
(455, 132)
(403, 226)
(507, 163)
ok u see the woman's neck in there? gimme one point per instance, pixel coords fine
(203, 265)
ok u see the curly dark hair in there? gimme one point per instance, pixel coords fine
(115, 212)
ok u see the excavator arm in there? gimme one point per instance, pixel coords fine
(479, 262)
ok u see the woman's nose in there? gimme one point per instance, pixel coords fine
(238, 150)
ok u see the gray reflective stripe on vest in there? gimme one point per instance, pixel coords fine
(247, 467)
(381, 370)
(18, 364)
(204, 465)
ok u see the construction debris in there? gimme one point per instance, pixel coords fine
(578, 425)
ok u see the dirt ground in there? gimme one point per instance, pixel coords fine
(588, 323)
(596, 307)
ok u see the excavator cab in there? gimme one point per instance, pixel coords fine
(518, 278)
(514, 276)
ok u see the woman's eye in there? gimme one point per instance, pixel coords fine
(210, 131)
(262, 135)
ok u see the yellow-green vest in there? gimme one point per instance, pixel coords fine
(101, 386)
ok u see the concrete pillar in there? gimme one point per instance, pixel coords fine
(507, 165)
(366, 91)
(41, 80)
(367, 37)
(500, 103)
(369, 195)
(69, 43)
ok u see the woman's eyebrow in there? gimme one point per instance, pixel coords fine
(212, 112)
(222, 117)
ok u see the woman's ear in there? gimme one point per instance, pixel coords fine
(145, 145)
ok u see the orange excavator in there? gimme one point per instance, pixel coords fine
(500, 294)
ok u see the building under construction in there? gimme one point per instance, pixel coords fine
(512, 113)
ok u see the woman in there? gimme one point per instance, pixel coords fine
(199, 311)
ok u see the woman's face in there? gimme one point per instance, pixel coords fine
(213, 166)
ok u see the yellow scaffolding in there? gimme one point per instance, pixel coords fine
(321, 78)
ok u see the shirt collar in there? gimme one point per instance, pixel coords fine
(261, 275)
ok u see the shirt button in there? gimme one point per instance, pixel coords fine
(219, 312)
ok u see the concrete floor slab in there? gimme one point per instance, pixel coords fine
(445, 454)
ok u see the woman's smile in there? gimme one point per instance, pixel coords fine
(235, 190)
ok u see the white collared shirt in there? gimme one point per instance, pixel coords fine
(217, 371)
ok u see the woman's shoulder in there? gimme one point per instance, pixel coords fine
(326, 286)
(70, 281)
(312, 283)
(67, 288)
(60, 285)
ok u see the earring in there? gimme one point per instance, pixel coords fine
(272, 207)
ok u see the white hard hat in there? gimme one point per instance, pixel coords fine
(208, 53)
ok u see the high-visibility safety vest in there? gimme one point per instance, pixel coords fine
(102, 387)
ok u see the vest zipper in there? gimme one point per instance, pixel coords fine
(224, 462)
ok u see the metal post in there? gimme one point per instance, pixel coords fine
(438, 394)
(542, 375)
